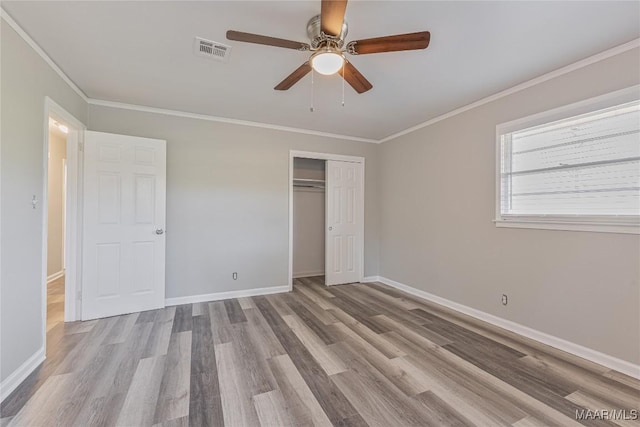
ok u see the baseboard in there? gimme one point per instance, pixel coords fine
(15, 379)
(308, 274)
(603, 359)
(370, 279)
(226, 295)
(55, 276)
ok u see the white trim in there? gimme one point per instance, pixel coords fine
(551, 224)
(16, 377)
(325, 156)
(176, 113)
(370, 279)
(290, 221)
(54, 276)
(73, 220)
(322, 156)
(610, 99)
(522, 86)
(543, 78)
(217, 296)
(64, 210)
(595, 356)
(303, 274)
(535, 81)
(13, 24)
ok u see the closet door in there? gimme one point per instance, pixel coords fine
(344, 221)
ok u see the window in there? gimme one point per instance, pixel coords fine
(563, 170)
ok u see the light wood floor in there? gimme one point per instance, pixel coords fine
(55, 303)
(351, 355)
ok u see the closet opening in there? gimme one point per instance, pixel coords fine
(309, 178)
(326, 219)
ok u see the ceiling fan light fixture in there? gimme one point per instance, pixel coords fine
(327, 61)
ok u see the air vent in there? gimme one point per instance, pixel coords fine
(212, 50)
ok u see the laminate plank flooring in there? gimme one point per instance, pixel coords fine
(350, 355)
(55, 302)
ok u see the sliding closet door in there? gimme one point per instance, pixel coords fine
(345, 217)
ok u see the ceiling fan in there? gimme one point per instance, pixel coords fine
(327, 32)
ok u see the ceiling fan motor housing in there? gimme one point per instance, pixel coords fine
(319, 39)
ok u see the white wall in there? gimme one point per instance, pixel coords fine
(55, 197)
(437, 199)
(228, 197)
(25, 81)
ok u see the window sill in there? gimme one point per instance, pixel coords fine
(567, 225)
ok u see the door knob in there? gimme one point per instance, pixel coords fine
(159, 231)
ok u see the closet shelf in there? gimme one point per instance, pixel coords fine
(311, 183)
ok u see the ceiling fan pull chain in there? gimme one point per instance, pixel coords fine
(311, 108)
(343, 76)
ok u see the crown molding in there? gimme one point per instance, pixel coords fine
(522, 86)
(529, 83)
(543, 78)
(23, 34)
(18, 29)
(177, 113)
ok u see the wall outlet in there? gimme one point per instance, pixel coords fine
(235, 276)
(504, 299)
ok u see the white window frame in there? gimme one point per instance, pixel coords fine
(606, 224)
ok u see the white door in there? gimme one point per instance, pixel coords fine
(124, 219)
(345, 216)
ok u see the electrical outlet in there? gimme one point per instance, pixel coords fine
(504, 299)
(235, 276)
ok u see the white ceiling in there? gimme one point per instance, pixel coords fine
(142, 53)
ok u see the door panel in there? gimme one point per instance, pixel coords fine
(344, 222)
(108, 255)
(124, 205)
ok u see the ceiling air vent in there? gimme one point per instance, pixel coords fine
(212, 50)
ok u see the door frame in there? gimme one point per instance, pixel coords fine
(73, 214)
(324, 156)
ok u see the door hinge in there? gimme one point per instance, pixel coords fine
(79, 295)
(81, 146)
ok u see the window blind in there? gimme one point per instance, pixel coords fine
(587, 165)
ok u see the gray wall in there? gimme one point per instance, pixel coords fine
(228, 198)
(55, 199)
(308, 232)
(437, 200)
(25, 81)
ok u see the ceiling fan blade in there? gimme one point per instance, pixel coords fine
(354, 78)
(332, 16)
(294, 77)
(411, 41)
(269, 41)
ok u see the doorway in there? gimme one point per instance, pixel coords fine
(309, 218)
(61, 220)
(326, 218)
(56, 223)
